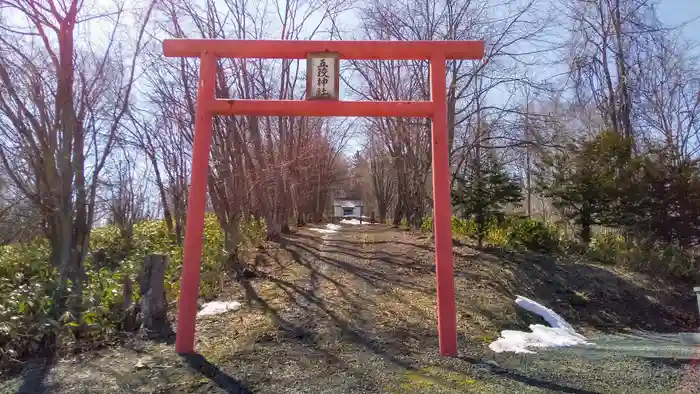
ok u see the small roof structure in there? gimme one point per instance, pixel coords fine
(348, 203)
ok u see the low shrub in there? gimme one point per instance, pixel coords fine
(464, 227)
(608, 247)
(28, 320)
(671, 260)
(27, 282)
(532, 234)
(643, 255)
(427, 225)
(460, 226)
(513, 232)
(497, 236)
(254, 232)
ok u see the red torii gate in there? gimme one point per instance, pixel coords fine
(208, 51)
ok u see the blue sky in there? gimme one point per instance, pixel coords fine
(680, 11)
(671, 12)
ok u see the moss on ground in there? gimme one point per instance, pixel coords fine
(433, 380)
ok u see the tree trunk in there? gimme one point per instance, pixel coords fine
(153, 301)
(480, 227)
(398, 213)
(274, 225)
(126, 305)
(586, 224)
(167, 214)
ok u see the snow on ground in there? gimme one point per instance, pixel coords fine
(354, 222)
(559, 334)
(323, 230)
(217, 307)
(330, 228)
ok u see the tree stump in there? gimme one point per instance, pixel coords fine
(127, 308)
(153, 302)
(372, 218)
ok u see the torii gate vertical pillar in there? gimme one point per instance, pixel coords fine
(442, 212)
(194, 232)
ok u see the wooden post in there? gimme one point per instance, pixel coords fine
(153, 301)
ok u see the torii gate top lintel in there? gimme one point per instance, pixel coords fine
(349, 50)
(436, 52)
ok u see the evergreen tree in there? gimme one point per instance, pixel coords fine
(483, 192)
(587, 183)
(663, 200)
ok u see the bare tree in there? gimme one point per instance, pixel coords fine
(607, 39)
(126, 195)
(19, 220)
(383, 178)
(160, 140)
(256, 163)
(61, 107)
(514, 42)
(667, 104)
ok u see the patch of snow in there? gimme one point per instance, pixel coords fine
(218, 307)
(551, 317)
(323, 230)
(559, 334)
(334, 227)
(354, 222)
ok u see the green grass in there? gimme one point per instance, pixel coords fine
(434, 380)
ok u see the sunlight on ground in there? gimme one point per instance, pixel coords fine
(433, 378)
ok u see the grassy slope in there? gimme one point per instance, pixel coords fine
(354, 312)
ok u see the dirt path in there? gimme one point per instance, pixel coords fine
(349, 312)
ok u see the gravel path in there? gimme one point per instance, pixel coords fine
(629, 363)
(635, 362)
(625, 363)
(359, 318)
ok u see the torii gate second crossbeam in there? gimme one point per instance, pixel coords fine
(208, 51)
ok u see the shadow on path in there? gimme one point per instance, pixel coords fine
(224, 381)
(34, 378)
(532, 382)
